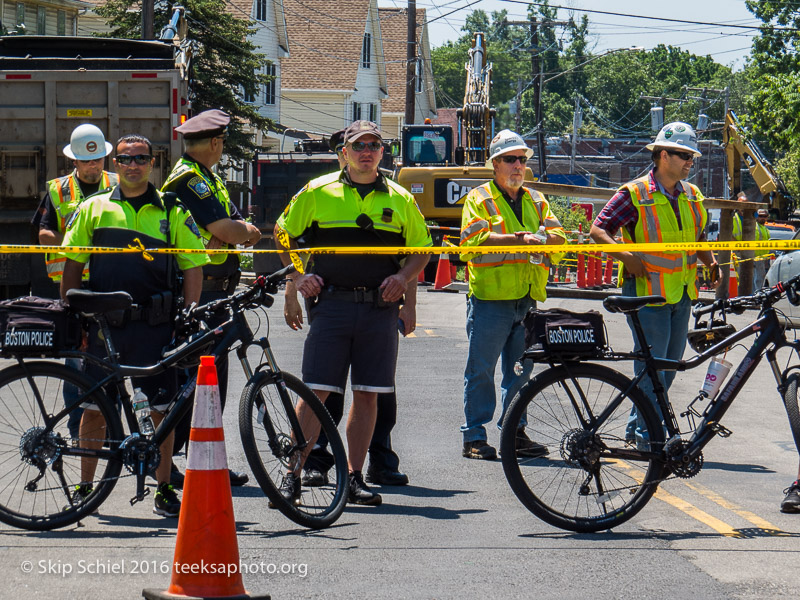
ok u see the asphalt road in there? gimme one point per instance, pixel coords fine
(457, 531)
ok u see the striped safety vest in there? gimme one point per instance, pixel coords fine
(506, 276)
(65, 194)
(667, 273)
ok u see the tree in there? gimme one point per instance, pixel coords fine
(225, 66)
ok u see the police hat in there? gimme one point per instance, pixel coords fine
(337, 140)
(208, 124)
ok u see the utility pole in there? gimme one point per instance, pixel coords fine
(411, 62)
(518, 106)
(537, 72)
(577, 119)
(148, 17)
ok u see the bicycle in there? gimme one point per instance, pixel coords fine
(40, 463)
(598, 474)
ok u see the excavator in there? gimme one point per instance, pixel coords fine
(738, 149)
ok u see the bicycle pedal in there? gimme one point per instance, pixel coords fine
(139, 498)
(720, 430)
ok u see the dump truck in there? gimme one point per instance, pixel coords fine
(51, 84)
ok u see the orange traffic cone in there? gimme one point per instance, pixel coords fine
(733, 283)
(206, 563)
(443, 277)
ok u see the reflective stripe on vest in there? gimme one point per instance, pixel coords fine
(65, 194)
(667, 273)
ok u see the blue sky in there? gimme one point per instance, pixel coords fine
(726, 45)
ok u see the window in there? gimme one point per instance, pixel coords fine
(418, 75)
(373, 112)
(20, 13)
(269, 87)
(261, 10)
(356, 111)
(61, 23)
(41, 21)
(366, 51)
(248, 96)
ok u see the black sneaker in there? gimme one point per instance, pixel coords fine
(479, 450)
(360, 492)
(290, 490)
(237, 478)
(166, 502)
(314, 478)
(526, 447)
(79, 495)
(791, 503)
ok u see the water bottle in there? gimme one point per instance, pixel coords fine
(141, 408)
(540, 235)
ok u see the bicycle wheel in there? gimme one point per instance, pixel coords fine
(592, 479)
(40, 468)
(269, 444)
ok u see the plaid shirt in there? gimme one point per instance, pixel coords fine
(619, 211)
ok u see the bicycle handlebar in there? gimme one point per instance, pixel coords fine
(763, 298)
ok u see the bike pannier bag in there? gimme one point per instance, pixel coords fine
(565, 332)
(30, 325)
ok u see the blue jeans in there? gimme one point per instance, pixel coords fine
(494, 330)
(665, 330)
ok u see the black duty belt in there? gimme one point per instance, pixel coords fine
(355, 295)
(224, 284)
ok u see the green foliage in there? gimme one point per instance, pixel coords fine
(571, 218)
(224, 68)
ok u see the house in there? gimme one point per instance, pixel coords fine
(336, 72)
(53, 17)
(394, 26)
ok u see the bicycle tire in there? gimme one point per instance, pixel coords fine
(582, 485)
(31, 447)
(790, 403)
(320, 506)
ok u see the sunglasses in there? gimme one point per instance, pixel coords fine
(361, 146)
(510, 160)
(681, 155)
(139, 159)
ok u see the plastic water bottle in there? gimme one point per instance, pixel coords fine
(141, 408)
(540, 235)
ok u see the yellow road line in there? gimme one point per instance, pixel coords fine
(745, 514)
(430, 333)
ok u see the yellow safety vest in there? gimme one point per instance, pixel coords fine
(65, 194)
(667, 273)
(216, 188)
(762, 233)
(506, 276)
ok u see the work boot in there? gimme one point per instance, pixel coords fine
(360, 493)
(479, 450)
(526, 447)
(314, 478)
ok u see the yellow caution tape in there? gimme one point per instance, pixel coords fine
(537, 249)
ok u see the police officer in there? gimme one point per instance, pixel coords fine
(203, 192)
(502, 288)
(660, 207)
(87, 148)
(354, 320)
(135, 209)
(383, 461)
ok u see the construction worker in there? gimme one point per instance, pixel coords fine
(135, 209)
(660, 207)
(760, 257)
(88, 149)
(205, 195)
(502, 288)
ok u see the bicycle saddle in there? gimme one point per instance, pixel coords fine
(626, 304)
(88, 302)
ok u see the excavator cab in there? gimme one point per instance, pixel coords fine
(427, 145)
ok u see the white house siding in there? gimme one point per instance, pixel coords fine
(318, 111)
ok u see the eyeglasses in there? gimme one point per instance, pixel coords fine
(681, 155)
(139, 159)
(511, 159)
(361, 146)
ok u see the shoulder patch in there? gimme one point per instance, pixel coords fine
(189, 222)
(199, 187)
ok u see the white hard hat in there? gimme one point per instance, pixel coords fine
(504, 142)
(87, 143)
(679, 136)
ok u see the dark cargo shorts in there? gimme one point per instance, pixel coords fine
(346, 335)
